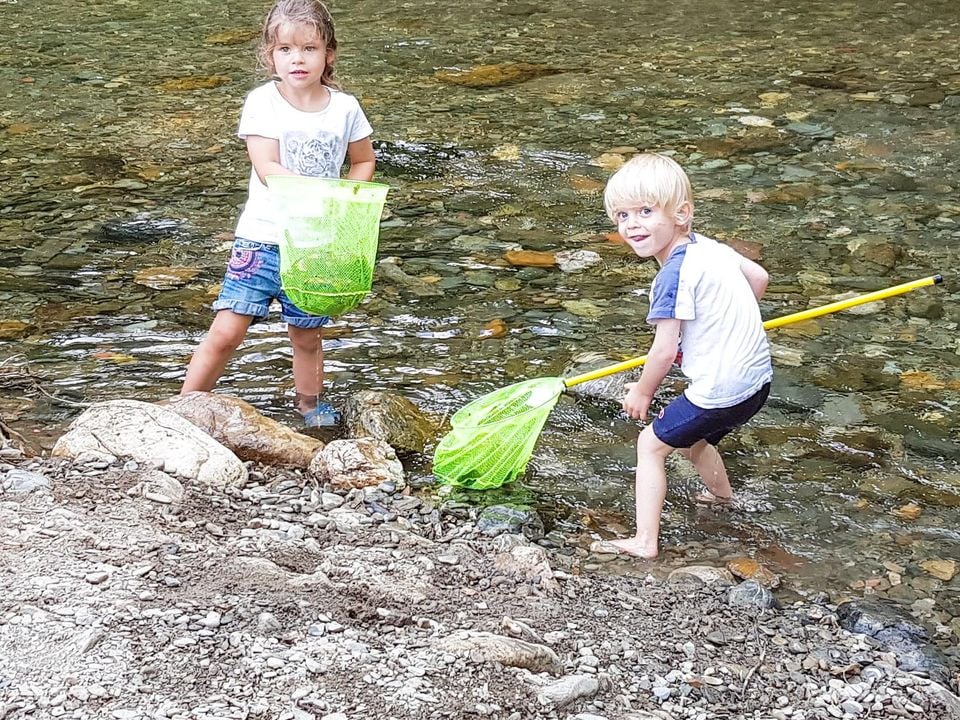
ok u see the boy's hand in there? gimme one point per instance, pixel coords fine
(636, 404)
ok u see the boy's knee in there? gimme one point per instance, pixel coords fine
(649, 444)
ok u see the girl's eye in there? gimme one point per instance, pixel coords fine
(311, 48)
(283, 49)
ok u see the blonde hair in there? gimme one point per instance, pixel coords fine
(648, 179)
(313, 14)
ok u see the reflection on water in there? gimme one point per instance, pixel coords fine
(823, 135)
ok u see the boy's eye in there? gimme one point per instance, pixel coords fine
(621, 215)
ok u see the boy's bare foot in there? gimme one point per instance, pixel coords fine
(626, 546)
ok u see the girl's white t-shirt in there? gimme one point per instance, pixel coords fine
(311, 143)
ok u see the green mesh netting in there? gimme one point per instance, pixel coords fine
(328, 243)
(491, 439)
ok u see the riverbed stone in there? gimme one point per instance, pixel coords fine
(508, 651)
(894, 627)
(568, 689)
(152, 435)
(751, 594)
(19, 482)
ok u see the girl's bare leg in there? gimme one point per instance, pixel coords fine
(651, 491)
(214, 352)
(307, 365)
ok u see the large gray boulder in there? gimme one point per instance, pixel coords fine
(389, 417)
(152, 435)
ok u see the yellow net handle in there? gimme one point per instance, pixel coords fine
(775, 323)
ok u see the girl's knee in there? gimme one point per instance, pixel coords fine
(226, 336)
(306, 340)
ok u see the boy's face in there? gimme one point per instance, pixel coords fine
(652, 232)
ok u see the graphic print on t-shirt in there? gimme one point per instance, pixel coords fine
(312, 155)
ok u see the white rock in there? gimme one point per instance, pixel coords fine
(357, 463)
(568, 689)
(575, 260)
(151, 435)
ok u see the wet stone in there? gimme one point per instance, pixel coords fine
(499, 519)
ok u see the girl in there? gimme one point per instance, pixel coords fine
(299, 124)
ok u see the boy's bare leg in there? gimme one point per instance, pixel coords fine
(651, 490)
(307, 365)
(709, 465)
(214, 352)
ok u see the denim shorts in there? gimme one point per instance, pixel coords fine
(681, 424)
(252, 282)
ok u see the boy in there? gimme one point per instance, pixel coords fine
(703, 303)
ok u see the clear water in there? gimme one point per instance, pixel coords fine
(825, 132)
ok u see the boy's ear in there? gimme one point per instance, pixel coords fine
(683, 213)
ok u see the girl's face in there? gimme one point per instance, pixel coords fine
(300, 55)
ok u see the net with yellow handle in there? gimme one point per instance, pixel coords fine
(491, 439)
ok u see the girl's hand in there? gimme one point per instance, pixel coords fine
(636, 403)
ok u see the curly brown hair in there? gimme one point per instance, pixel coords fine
(311, 13)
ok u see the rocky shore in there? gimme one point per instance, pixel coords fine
(285, 597)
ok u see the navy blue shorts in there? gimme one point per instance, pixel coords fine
(252, 281)
(681, 424)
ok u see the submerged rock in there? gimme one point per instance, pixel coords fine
(497, 519)
(141, 228)
(610, 388)
(486, 76)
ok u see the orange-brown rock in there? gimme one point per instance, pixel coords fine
(499, 75)
(531, 258)
(200, 82)
(910, 511)
(238, 425)
(749, 569)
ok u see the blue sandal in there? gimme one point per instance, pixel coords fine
(323, 415)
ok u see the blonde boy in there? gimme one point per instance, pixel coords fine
(703, 304)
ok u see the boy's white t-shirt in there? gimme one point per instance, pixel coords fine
(311, 143)
(723, 344)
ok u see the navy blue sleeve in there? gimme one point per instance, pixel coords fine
(663, 292)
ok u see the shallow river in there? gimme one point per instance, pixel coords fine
(823, 136)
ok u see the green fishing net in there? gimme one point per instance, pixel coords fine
(328, 245)
(491, 439)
